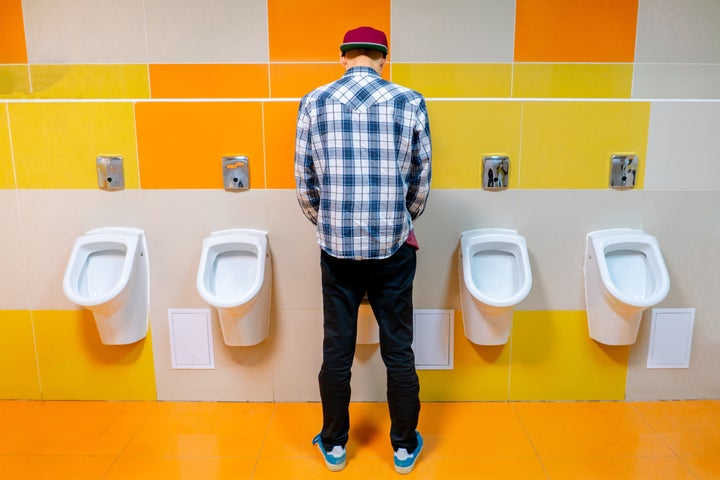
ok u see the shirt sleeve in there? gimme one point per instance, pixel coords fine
(421, 170)
(306, 182)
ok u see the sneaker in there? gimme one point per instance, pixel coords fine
(404, 461)
(335, 458)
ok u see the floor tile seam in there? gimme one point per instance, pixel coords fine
(268, 426)
(654, 430)
(57, 455)
(529, 438)
(183, 456)
(604, 455)
(109, 468)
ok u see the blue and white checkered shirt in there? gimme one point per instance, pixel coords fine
(362, 163)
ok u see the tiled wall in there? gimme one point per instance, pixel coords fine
(174, 85)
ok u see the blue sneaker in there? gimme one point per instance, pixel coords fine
(404, 461)
(335, 458)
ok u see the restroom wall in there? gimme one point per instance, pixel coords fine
(174, 85)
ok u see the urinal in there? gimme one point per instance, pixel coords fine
(495, 276)
(624, 274)
(235, 277)
(108, 274)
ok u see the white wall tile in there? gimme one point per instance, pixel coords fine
(683, 146)
(676, 81)
(678, 32)
(176, 222)
(13, 274)
(298, 355)
(452, 31)
(85, 31)
(51, 220)
(293, 242)
(555, 224)
(448, 214)
(222, 31)
(687, 226)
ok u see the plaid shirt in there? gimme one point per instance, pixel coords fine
(362, 163)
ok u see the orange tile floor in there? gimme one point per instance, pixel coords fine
(514, 440)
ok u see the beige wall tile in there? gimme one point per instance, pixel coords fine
(676, 81)
(678, 32)
(187, 31)
(13, 272)
(50, 221)
(85, 31)
(683, 146)
(452, 31)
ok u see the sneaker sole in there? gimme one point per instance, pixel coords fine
(333, 467)
(409, 468)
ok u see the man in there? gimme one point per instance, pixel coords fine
(362, 171)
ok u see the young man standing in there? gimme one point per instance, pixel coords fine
(362, 171)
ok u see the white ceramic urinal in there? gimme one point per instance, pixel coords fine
(108, 274)
(235, 276)
(495, 276)
(624, 274)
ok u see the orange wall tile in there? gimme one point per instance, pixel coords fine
(209, 81)
(295, 80)
(279, 118)
(181, 145)
(575, 30)
(12, 32)
(312, 30)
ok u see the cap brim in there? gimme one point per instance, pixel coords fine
(372, 46)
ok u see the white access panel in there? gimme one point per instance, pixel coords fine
(670, 337)
(433, 342)
(191, 340)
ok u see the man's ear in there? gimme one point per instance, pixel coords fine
(343, 60)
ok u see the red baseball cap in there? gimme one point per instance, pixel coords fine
(365, 37)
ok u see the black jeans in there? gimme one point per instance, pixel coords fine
(388, 284)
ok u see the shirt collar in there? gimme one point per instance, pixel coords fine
(361, 71)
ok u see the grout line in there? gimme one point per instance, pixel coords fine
(263, 133)
(661, 438)
(147, 47)
(297, 99)
(264, 440)
(527, 434)
(24, 257)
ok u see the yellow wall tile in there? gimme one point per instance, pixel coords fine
(209, 81)
(18, 365)
(192, 138)
(56, 144)
(462, 132)
(74, 364)
(90, 81)
(572, 80)
(7, 175)
(455, 79)
(14, 81)
(554, 358)
(569, 144)
(480, 373)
